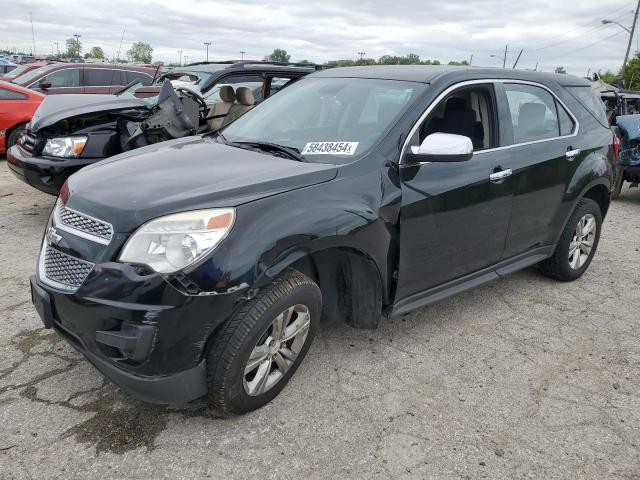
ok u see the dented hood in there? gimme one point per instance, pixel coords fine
(184, 174)
(60, 107)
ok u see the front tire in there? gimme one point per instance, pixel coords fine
(12, 139)
(577, 245)
(251, 360)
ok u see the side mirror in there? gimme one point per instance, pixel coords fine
(441, 147)
(45, 85)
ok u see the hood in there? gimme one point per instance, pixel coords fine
(59, 107)
(185, 174)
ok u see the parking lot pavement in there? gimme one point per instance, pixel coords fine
(523, 378)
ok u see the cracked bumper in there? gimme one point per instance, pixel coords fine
(174, 369)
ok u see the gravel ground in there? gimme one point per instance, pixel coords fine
(522, 378)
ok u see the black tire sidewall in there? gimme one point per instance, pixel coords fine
(618, 181)
(12, 139)
(584, 207)
(236, 398)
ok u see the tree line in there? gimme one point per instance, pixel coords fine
(140, 52)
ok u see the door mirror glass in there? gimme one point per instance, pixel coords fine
(442, 147)
(45, 85)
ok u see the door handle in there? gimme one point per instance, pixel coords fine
(498, 177)
(573, 153)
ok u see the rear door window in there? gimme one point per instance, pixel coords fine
(101, 77)
(534, 113)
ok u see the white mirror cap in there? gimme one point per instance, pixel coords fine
(445, 144)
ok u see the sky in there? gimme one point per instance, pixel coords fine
(551, 33)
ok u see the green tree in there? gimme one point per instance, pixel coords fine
(561, 70)
(632, 73)
(140, 52)
(74, 47)
(278, 55)
(463, 63)
(95, 52)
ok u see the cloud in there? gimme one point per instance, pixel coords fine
(551, 33)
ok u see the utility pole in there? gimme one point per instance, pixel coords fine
(362, 54)
(180, 53)
(242, 52)
(207, 45)
(471, 60)
(33, 34)
(57, 49)
(633, 29)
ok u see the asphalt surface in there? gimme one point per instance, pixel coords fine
(522, 378)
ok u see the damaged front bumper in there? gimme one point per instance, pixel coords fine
(137, 330)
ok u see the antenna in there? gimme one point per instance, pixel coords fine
(120, 47)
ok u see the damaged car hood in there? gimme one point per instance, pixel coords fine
(184, 174)
(60, 107)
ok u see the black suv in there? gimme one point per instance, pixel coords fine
(204, 265)
(72, 131)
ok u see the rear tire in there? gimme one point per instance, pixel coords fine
(12, 139)
(574, 251)
(251, 360)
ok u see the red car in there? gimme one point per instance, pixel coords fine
(17, 106)
(105, 78)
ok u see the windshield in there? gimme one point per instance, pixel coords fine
(327, 118)
(27, 77)
(19, 70)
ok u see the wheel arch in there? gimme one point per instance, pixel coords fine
(10, 130)
(349, 279)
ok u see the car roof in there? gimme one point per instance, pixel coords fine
(250, 66)
(112, 66)
(429, 73)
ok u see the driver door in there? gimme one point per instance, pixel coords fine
(454, 216)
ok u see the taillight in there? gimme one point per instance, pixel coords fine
(616, 148)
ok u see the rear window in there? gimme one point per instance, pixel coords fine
(590, 100)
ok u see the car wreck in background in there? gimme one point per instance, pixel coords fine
(628, 168)
(72, 131)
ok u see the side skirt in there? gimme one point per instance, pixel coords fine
(473, 280)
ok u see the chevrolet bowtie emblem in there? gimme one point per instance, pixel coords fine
(52, 236)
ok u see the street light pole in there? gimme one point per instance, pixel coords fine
(242, 52)
(180, 53)
(633, 29)
(631, 32)
(207, 45)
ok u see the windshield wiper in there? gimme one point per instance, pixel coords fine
(290, 151)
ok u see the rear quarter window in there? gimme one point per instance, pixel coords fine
(590, 100)
(11, 95)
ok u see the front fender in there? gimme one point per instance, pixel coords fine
(273, 233)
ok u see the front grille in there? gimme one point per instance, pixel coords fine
(91, 227)
(61, 270)
(27, 142)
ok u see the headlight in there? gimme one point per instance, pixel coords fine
(171, 243)
(68, 147)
